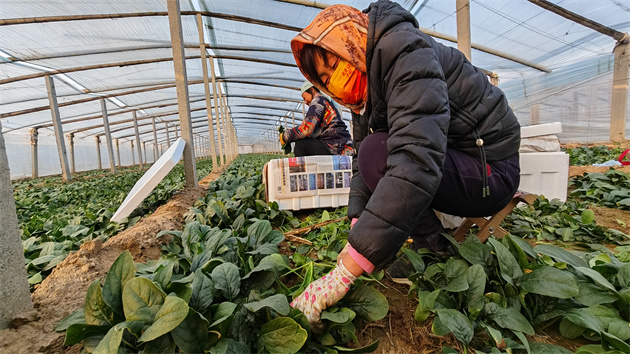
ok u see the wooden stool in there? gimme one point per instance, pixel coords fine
(491, 226)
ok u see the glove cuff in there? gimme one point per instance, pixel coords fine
(346, 273)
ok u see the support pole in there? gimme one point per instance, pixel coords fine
(108, 138)
(98, 152)
(144, 147)
(619, 100)
(293, 115)
(168, 137)
(177, 130)
(226, 139)
(463, 27)
(155, 143)
(34, 155)
(15, 294)
(534, 112)
(206, 86)
(217, 114)
(133, 155)
(118, 153)
(179, 63)
(135, 126)
(222, 121)
(72, 165)
(61, 144)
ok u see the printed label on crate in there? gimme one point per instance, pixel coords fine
(311, 175)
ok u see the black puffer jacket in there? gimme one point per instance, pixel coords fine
(426, 96)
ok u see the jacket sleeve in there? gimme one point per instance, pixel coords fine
(313, 118)
(359, 192)
(416, 99)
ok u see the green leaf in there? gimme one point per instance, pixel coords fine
(475, 252)
(367, 349)
(259, 229)
(597, 278)
(202, 292)
(439, 328)
(510, 269)
(281, 335)
(426, 304)
(110, 343)
(476, 278)
(164, 273)
(416, 260)
(223, 310)
(367, 302)
(171, 314)
(142, 300)
(119, 273)
(457, 323)
(163, 344)
(227, 279)
(616, 342)
(550, 281)
(623, 276)
(509, 318)
(590, 294)
(76, 317)
(595, 349)
(35, 278)
(343, 315)
(277, 302)
(588, 216)
(560, 255)
(585, 319)
(78, 332)
(547, 348)
(619, 328)
(96, 311)
(230, 346)
(523, 340)
(569, 329)
(191, 334)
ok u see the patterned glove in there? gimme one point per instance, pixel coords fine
(323, 293)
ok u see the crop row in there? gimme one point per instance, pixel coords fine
(56, 218)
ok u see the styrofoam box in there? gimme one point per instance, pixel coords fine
(545, 173)
(308, 182)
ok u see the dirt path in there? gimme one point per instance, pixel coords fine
(63, 291)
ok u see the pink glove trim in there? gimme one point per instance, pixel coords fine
(354, 221)
(366, 265)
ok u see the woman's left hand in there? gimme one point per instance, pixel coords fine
(323, 293)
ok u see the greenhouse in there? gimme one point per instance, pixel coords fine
(184, 176)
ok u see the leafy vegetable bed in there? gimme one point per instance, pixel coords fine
(56, 217)
(490, 296)
(585, 155)
(221, 285)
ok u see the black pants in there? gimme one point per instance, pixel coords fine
(309, 147)
(459, 192)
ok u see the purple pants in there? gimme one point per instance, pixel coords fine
(459, 192)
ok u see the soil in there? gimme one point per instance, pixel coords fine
(63, 291)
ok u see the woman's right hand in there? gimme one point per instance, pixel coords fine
(323, 293)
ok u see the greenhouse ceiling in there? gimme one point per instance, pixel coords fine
(121, 51)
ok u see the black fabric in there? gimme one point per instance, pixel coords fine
(310, 147)
(427, 97)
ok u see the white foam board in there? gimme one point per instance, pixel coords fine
(545, 173)
(150, 180)
(541, 129)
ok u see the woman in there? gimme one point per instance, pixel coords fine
(322, 132)
(430, 130)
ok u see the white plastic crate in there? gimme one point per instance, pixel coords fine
(308, 182)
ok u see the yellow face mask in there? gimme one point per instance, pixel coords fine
(348, 83)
